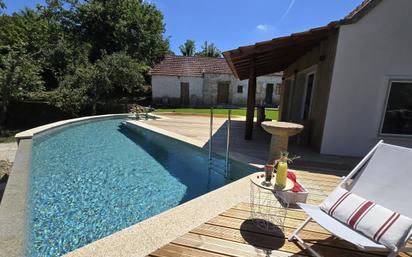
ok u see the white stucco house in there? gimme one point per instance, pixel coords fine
(349, 82)
(204, 81)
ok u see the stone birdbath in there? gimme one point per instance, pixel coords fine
(280, 131)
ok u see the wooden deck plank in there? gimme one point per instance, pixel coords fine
(232, 233)
(172, 250)
(319, 176)
(242, 211)
(237, 249)
(226, 247)
(277, 241)
(290, 223)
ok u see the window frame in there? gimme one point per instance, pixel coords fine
(237, 89)
(389, 81)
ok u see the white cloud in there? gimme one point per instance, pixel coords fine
(264, 27)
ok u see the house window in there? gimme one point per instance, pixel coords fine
(398, 112)
(277, 89)
(240, 89)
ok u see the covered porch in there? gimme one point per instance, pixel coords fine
(306, 60)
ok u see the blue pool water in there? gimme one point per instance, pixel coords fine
(93, 179)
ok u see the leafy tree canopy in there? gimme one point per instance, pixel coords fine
(81, 52)
(188, 48)
(209, 50)
(133, 26)
(91, 83)
(19, 74)
(2, 6)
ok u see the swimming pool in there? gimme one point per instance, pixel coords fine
(90, 180)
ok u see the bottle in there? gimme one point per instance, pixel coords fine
(281, 174)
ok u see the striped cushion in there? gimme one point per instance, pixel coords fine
(374, 221)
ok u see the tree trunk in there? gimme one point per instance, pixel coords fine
(3, 112)
(94, 107)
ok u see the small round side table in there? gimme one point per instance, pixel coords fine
(268, 207)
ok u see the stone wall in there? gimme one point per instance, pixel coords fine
(210, 84)
(203, 90)
(166, 90)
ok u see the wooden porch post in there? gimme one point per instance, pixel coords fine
(251, 96)
(281, 100)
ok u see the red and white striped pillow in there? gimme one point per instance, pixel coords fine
(374, 221)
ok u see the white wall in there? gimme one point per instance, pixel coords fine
(261, 82)
(169, 87)
(210, 86)
(378, 46)
(205, 89)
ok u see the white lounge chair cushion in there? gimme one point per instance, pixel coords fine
(380, 224)
(339, 229)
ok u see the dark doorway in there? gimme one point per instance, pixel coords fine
(184, 94)
(308, 97)
(223, 93)
(269, 94)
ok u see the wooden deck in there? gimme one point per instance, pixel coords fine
(232, 233)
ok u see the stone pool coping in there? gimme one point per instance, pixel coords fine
(14, 203)
(31, 132)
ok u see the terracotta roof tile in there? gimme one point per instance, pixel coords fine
(193, 66)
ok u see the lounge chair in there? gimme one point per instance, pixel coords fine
(384, 176)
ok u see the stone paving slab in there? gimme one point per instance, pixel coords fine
(8, 151)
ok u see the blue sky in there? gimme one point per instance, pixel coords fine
(233, 23)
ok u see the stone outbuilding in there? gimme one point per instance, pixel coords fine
(203, 81)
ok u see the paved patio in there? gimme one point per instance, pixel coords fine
(8, 151)
(252, 151)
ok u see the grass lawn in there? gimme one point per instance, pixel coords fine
(270, 113)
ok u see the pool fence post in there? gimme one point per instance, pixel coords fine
(227, 142)
(210, 134)
(210, 146)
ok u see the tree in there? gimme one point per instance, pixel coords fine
(19, 74)
(71, 95)
(2, 6)
(62, 49)
(19, 58)
(92, 83)
(116, 71)
(188, 48)
(209, 50)
(80, 52)
(132, 26)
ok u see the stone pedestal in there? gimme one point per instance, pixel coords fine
(280, 131)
